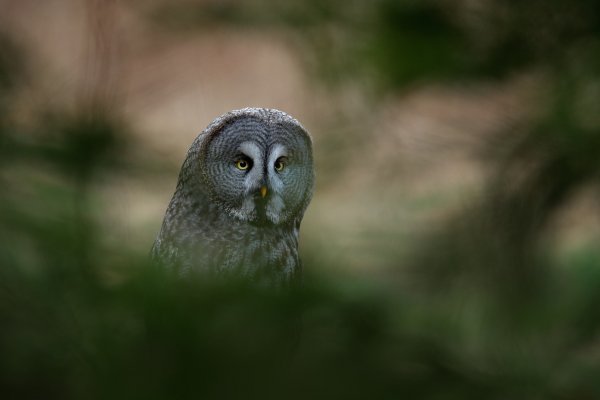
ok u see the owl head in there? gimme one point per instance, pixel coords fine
(256, 164)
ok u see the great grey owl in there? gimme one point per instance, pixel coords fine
(242, 192)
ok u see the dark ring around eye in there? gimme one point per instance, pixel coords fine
(279, 164)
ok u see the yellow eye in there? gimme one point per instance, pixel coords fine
(279, 165)
(242, 165)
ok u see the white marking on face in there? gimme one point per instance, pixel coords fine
(255, 175)
(274, 180)
(276, 205)
(275, 209)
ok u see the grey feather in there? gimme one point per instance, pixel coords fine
(217, 221)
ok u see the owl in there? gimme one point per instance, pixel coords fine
(241, 195)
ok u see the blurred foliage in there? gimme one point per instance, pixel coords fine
(482, 310)
(398, 42)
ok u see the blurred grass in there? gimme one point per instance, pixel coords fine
(481, 308)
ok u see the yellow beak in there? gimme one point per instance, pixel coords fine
(263, 191)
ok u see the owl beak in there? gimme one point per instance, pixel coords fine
(263, 191)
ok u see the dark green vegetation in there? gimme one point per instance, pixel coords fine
(482, 310)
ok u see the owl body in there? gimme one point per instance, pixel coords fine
(241, 195)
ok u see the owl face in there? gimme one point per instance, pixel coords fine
(259, 168)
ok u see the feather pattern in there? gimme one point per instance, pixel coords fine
(218, 222)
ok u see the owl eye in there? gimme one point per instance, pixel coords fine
(242, 164)
(280, 164)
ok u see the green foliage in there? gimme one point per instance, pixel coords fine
(483, 309)
(399, 42)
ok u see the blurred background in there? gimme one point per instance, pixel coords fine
(451, 250)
